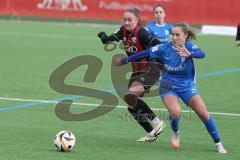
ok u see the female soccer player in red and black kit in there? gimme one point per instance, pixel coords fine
(238, 36)
(144, 75)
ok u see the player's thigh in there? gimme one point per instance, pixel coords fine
(172, 104)
(199, 107)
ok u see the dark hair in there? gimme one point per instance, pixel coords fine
(136, 12)
(159, 5)
(187, 29)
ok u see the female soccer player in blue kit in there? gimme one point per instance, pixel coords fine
(178, 80)
(159, 29)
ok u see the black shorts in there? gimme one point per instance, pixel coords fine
(147, 79)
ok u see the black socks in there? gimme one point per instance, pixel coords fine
(145, 109)
(141, 114)
(141, 118)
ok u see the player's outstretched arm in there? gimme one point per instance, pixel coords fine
(134, 57)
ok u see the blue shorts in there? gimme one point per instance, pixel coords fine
(185, 95)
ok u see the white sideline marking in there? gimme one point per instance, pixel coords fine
(46, 35)
(89, 104)
(49, 35)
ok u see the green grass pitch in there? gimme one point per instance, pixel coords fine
(31, 51)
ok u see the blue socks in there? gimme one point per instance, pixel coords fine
(174, 122)
(212, 129)
(209, 124)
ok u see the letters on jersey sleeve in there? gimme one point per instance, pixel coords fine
(157, 50)
(191, 47)
(194, 50)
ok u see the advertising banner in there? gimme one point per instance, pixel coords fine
(4, 7)
(218, 12)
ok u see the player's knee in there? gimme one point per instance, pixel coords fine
(131, 107)
(136, 89)
(138, 93)
(130, 99)
(204, 116)
(175, 114)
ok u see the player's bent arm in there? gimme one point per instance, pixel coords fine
(155, 42)
(106, 39)
(198, 53)
(147, 39)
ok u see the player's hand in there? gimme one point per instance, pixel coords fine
(238, 43)
(120, 61)
(117, 62)
(103, 36)
(182, 50)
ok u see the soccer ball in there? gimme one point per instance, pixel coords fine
(64, 141)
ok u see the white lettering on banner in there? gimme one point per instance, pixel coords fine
(75, 5)
(116, 5)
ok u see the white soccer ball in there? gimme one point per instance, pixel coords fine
(64, 141)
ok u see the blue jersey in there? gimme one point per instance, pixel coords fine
(178, 76)
(178, 71)
(160, 32)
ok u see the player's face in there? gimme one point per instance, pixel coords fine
(159, 14)
(178, 36)
(130, 21)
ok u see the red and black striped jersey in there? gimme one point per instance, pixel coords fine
(134, 42)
